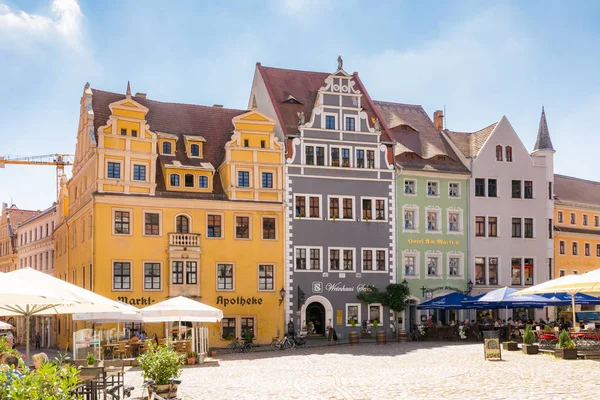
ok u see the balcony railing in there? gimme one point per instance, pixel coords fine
(184, 239)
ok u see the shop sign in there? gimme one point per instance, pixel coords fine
(339, 317)
(340, 287)
(137, 301)
(240, 301)
(438, 242)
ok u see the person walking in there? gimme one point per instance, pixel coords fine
(38, 340)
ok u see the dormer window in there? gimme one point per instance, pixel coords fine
(195, 150)
(189, 180)
(262, 144)
(203, 182)
(508, 153)
(174, 180)
(246, 143)
(123, 132)
(499, 153)
(166, 148)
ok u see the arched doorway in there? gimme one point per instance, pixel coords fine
(315, 318)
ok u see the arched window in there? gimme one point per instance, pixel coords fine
(182, 224)
(175, 180)
(166, 148)
(203, 181)
(195, 150)
(189, 180)
(498, 153)
(508, 153)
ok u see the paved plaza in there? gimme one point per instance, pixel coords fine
(413, 370)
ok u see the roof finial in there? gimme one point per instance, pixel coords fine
(542, 109)
(128, 93)
(340, 62)
(543, 141)
(254, 105)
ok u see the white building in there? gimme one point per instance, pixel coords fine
(36, 250)
(511, 208)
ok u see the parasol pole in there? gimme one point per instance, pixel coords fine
(573, 308)
(27, 328)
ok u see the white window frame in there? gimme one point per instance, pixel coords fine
(121, 169)
(354, 117)
(459, 190)
(275, 217)
(562, 272)
(233, 280)
(560, 217)
(308, 248)
(379, 320)
(160, 222)
(365, 149)
(374, 251)
(140, 164)
(349, 148)
(578, 249)
(307, 197)
(173, 147)
(169, 180)
(250, 225)
(336, 118)
(341, 207)
(250, 178)
(181, 214)
(570, 219)
(260, 264)
(112, 275)
(414, 181)
(438, 188)
(589, 247)
(438, 211)
(200, 149)
(222, 215)
(359, 322)
(585, 219)
(341, 250)
(564, 242)
(131, 225)
(161, 275)
(314, 146)
(454, 210)
(439, 273)
(596, 221)
(417, 255)
(208, 180)
(415, 209)
(461, 262)
(374, 208)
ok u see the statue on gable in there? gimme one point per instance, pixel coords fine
(377, 124)
(340, 62)
(301, 118)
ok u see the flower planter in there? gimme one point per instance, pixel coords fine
(530, 348)
(381, 337)
(213, 353)
(163, 391)
(566, 354)
(510, 346)
(191, 360)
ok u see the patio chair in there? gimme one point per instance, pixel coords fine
(93, 378)
(121, 350)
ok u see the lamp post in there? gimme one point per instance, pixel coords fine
(281, 298)
(469, 287)
(405, 284)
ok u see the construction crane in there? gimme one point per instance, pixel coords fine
(59, 160)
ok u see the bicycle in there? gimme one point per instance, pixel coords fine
(238, 347)
(149, 384)
(300, 342)
(286, 343)
(115, 392)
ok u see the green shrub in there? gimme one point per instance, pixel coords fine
(90, 359)
(161, 363)
(49, 382)
(564, 341)
(529, 336)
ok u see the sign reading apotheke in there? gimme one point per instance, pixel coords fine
(240, 301)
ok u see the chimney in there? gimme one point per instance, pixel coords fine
(141, 95)
(218, 105)
(438, 120)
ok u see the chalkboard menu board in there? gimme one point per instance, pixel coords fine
(491, 345)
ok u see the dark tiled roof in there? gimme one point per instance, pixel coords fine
(410, 126)
(543, 141)
(303, 86)
(212, 123)
(470, 143)
(576, 192)
(576, 230)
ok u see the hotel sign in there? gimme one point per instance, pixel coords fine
(437, 242)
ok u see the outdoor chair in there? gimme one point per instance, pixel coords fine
(93, 378)
(121, 351)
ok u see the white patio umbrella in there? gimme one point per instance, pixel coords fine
(5, 326)
(181, 308)
(128, 313)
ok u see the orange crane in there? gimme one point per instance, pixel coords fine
(59, 160)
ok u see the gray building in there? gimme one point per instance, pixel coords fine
(340, 197)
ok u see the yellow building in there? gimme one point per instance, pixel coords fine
(175, 199)
(576, 225)
(10, 219)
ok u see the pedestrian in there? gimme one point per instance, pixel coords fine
(10, 340)
(38, 340)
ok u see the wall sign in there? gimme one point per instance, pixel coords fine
(317, 287)
(339, 317)
(137, 301)
(240, 301)
(340, 287)
(439, 242)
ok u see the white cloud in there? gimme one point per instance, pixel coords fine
(305, 12)
(22, 29)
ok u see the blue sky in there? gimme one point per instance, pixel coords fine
(480, 60)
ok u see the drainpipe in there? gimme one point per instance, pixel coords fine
(469, 244)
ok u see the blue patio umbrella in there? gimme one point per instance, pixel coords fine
(564, 299)
(451, 301)
(501, 298)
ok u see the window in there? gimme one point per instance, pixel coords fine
(493, 280)
(228, 328)
(575, 272)
(166, 148)
(224, 276)
(310, 155)
(352, 314)
(189, 180)
(409, 219)
(562, 273)
(432, 220)
(320, 151)
(432, 266)
(334, 260)
(528, 189)
(528, 225)
(268, 228)
(493, 226)
(380, 210)
(335, 157)
(195, 150)
(585, 219)
(550, 195)
(409, 186)
(347, 208)
(246, 143)
(432, 189)
(480, 226)
(454, 266)
(479, 187)
(214, 226)
(528, 270)
(262, 144)
(381, 263)
(174, 180)
(453, 189)
(508, 153)
(562, 247)
(586, 249)
(360, 158)
(380, 260)
(453, 219)
(121, 276)
(560, 217)
(151, 276)
(243, 179)
(516, 189)
(371, 159)
(492, 188)
(516, 228)
(122, 222)
(597, 250)
(367, 260)
(301, 259)
(139, 172)
(480, 271)
(334, 207)
(182, 224)
(350, 123)
(314, 261)
(203, 182)
(267, 180)
(348, 260)
(367, 212)
(330, 122)
(573, 219)
(242, 227)
(151, 224)
(498, 153)
(191, 272)
(596, 221)
(375, 313)
(247, 326)
(314, 207)
(300, 206)
(177, 273)
(409, 266)
(575, 250)
(114, 170)
(266, 277)
(345, 157)
(123, 132)
(515, 271)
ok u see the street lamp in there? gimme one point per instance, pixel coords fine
(282, 295)
(405, 284)
(469, 286)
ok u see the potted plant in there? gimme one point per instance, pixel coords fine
(566, 348)
(367, 218)
(528, 340)
(510, 346)
(213, 351)
(90, 360)
(191, 357)
(160, 364)
(229, 336)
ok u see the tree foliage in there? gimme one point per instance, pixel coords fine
(49, 382)
(161, 363)
(528, 336)
(394, 296)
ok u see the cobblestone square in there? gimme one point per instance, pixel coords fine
(413, 370)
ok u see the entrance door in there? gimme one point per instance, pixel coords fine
(315, 319)
(411, 315)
